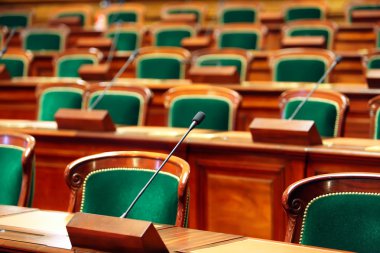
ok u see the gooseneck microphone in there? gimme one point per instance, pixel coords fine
(337, 60)
(118, 74)
(6, 44)
(198, 118)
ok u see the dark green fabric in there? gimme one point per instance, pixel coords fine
(377, 124)
(362, 7)
(312, 32)
(159, 68)
(303, 13)
(378, 39)
(14, 67)
(51, 102)
(41, 41)
(222, 62)
(70, 67)
(346, 222)
(126, 41)
(374, 64)
(299, 70)
(111, 192)
(244, 40)
(186, 12)
(32, 184)
(123, 108)
(10, 174)
(14, 20)
(73, 14)
(239, 16)
(324, 115)
(124, 17)
(183, 110)
(171, 38)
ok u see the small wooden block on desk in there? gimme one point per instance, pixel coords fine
(90, 72)
(180, 17)
(304, 41)
(373, 78)
(100, 43)
(214, 74)
(194, 43)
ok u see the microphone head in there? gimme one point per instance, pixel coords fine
(338, 59)
(199, 117)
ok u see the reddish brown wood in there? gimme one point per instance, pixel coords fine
(304, 41)
(365, 16)
(373, 78)
(100, 72)
(187, 18)
(68, 21)
(214, 74)
(195, 43)
(4, 74)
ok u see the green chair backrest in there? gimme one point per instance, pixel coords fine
(249, 40)
(346, 221)
(378, 38)
(124, 107)
(361, 7)
(68, 66)
(325, 114)
(238, 15)
(16, 66)
(374, 62)
(299, 69)
(56, 98)
(160, 66)
(110, 191)
(303, 12)
(313, 31)
(44, 41)
(126, 40)
(10, 174)
(122, 16)
(218, 110)
(224, 60)
(80, 15)
(187, 11)
(15, 20)
(172, 36)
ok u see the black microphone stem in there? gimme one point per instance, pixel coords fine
(337, 60)
(6, 44)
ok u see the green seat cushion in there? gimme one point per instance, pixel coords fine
(244, 40)
(10, 174)
(15, 67)
(324, 113)
(188, 11)
(303, 13)
(69, 67)
(218, 111)
(56, 98)
(312, 32)
(239, 16)
(159, 68)
(299, 70)
(73, 14)
(43, 41)
(171, 37)
(126, 41)
(111, 191)
(13, 20)
(125, 17)
(345, 221)
(124, 108)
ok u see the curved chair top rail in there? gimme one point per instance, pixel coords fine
(81, 51)
(44, 86)
(228, 51)
(310, 23)
(316, 52)
(167, 50)
(374, 105)
(27, 55)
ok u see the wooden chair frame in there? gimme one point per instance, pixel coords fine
(62, 32)
(137, 8)
(171, 27)
(25, 56)
(238, 6)
(85, 10)
(27, 12)
(77, 171)
(355, 3)
(199, 7)
(374, 106)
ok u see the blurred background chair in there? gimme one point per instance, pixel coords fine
(171, 34)
(338, 211)
(127, 105)
(44, 39)
(17, 62)
(55, 96)
(302, 10)
(374, 106)
(16, 18)
(17, 169)
(197, 9)
(162, 63)
(286, 64)
(326, 108)
(360, 11)
(83, 13)
(107, 183)
(131, 13)
(68, 63)
(239, 12)
(218, 103)
(127, 37)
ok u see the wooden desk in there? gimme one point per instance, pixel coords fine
(44, 231)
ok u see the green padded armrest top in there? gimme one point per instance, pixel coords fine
(110, 192)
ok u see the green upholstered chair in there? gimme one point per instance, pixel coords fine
(82, 12)
(374, 105)
(239, 58)
(338, 211)
(127, 105)
(304, 10)
(325, 29)
(239, 12)
(162, 63)
(44, 40)
(287, 63)
(171, 35)
(198, 9)
(68, 63)
(220, 105)
(244, 36)
(17, 18)
(107, 183)
(127, 38)
(52, 97)
(371, 60)
(132, 13)
(17, 169)
(17, 62)
(326, 108)
(357, 6)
